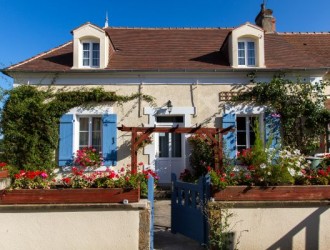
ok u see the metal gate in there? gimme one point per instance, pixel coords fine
(188, 208)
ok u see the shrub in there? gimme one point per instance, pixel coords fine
(201, 155)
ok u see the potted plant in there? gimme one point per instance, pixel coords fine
(78, 186)
(288, 176)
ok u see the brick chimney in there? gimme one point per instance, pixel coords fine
(266, 20)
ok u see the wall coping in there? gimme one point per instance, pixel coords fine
(269, 204)
(143, 204)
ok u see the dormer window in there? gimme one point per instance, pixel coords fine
(91, 54)
(246, 53)
(91, 47)
(246, 47)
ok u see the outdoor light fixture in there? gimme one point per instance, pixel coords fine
(169, 106)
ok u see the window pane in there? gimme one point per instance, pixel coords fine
(176, 145)
(86, 46)
(252, 138)
(250, 45)
(163, 144)
(241, 138)
(96, 54)
(241, 53)
(83, 139)
(96, 46)
(96, 140)
(96, 123)
(241, 45)
(96, 133)
(169, 119)
(84, 124)
(251, 54)
(83, 132)
(240, 123)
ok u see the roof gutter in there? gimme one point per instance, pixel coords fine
(7, 72)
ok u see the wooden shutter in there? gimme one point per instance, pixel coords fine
(229, 140)
(272, 130)
(109, 139)
(66, 140)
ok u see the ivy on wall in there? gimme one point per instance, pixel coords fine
(30, 121)
(300, 105)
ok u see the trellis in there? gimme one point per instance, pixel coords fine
(213, 135)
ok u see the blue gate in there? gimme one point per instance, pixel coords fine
(188, 208)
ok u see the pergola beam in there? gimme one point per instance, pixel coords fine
(213, 134)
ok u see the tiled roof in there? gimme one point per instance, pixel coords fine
(189, 49)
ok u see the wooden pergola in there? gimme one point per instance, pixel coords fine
(213, 135)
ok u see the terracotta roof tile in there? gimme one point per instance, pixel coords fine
(189, 49)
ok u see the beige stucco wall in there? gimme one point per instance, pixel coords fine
(61, 227)
(282, 227)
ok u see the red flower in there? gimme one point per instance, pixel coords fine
(208, 169)
(66, 180)
(232, 174)
(322, 172)
(251, 168)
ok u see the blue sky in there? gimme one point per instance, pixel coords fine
(31, 27)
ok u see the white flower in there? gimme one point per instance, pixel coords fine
(263, 165)
(296, 152)
(292, 171)
(269, 173)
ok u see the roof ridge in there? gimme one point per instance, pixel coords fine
(38, 56)
(305, 33)
(172, 28)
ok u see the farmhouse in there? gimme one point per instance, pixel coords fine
(191, 73)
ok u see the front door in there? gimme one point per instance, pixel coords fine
(169, 149)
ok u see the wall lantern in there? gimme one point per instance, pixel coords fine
(169, 106)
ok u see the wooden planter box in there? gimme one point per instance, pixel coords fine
(4, 173)
(65, 196)
(273, 193)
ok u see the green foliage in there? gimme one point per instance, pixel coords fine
(201, 155)
(300, 105)
(221, 235)
(30, 121)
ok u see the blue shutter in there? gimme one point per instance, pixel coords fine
(272, 130)
(229, 140)
(109, 139)
(65, 156)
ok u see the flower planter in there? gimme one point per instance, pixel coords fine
(65, 196)
(273, 193)
(4, 173)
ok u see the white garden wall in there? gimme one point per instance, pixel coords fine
(280, 225)
(93, 226)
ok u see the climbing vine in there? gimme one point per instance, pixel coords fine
(30, 121)
(300, 105)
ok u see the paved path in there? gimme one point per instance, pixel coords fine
(164, 239)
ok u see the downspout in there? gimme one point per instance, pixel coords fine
(194, 98)
(140, 99)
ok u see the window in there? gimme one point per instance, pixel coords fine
(90, 132)
(245, 133)
(246, 53)
(91, 54)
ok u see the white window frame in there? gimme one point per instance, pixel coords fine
(91, 56)
(90, 130)
(246, 53)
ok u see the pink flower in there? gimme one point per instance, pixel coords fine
(44, 175)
